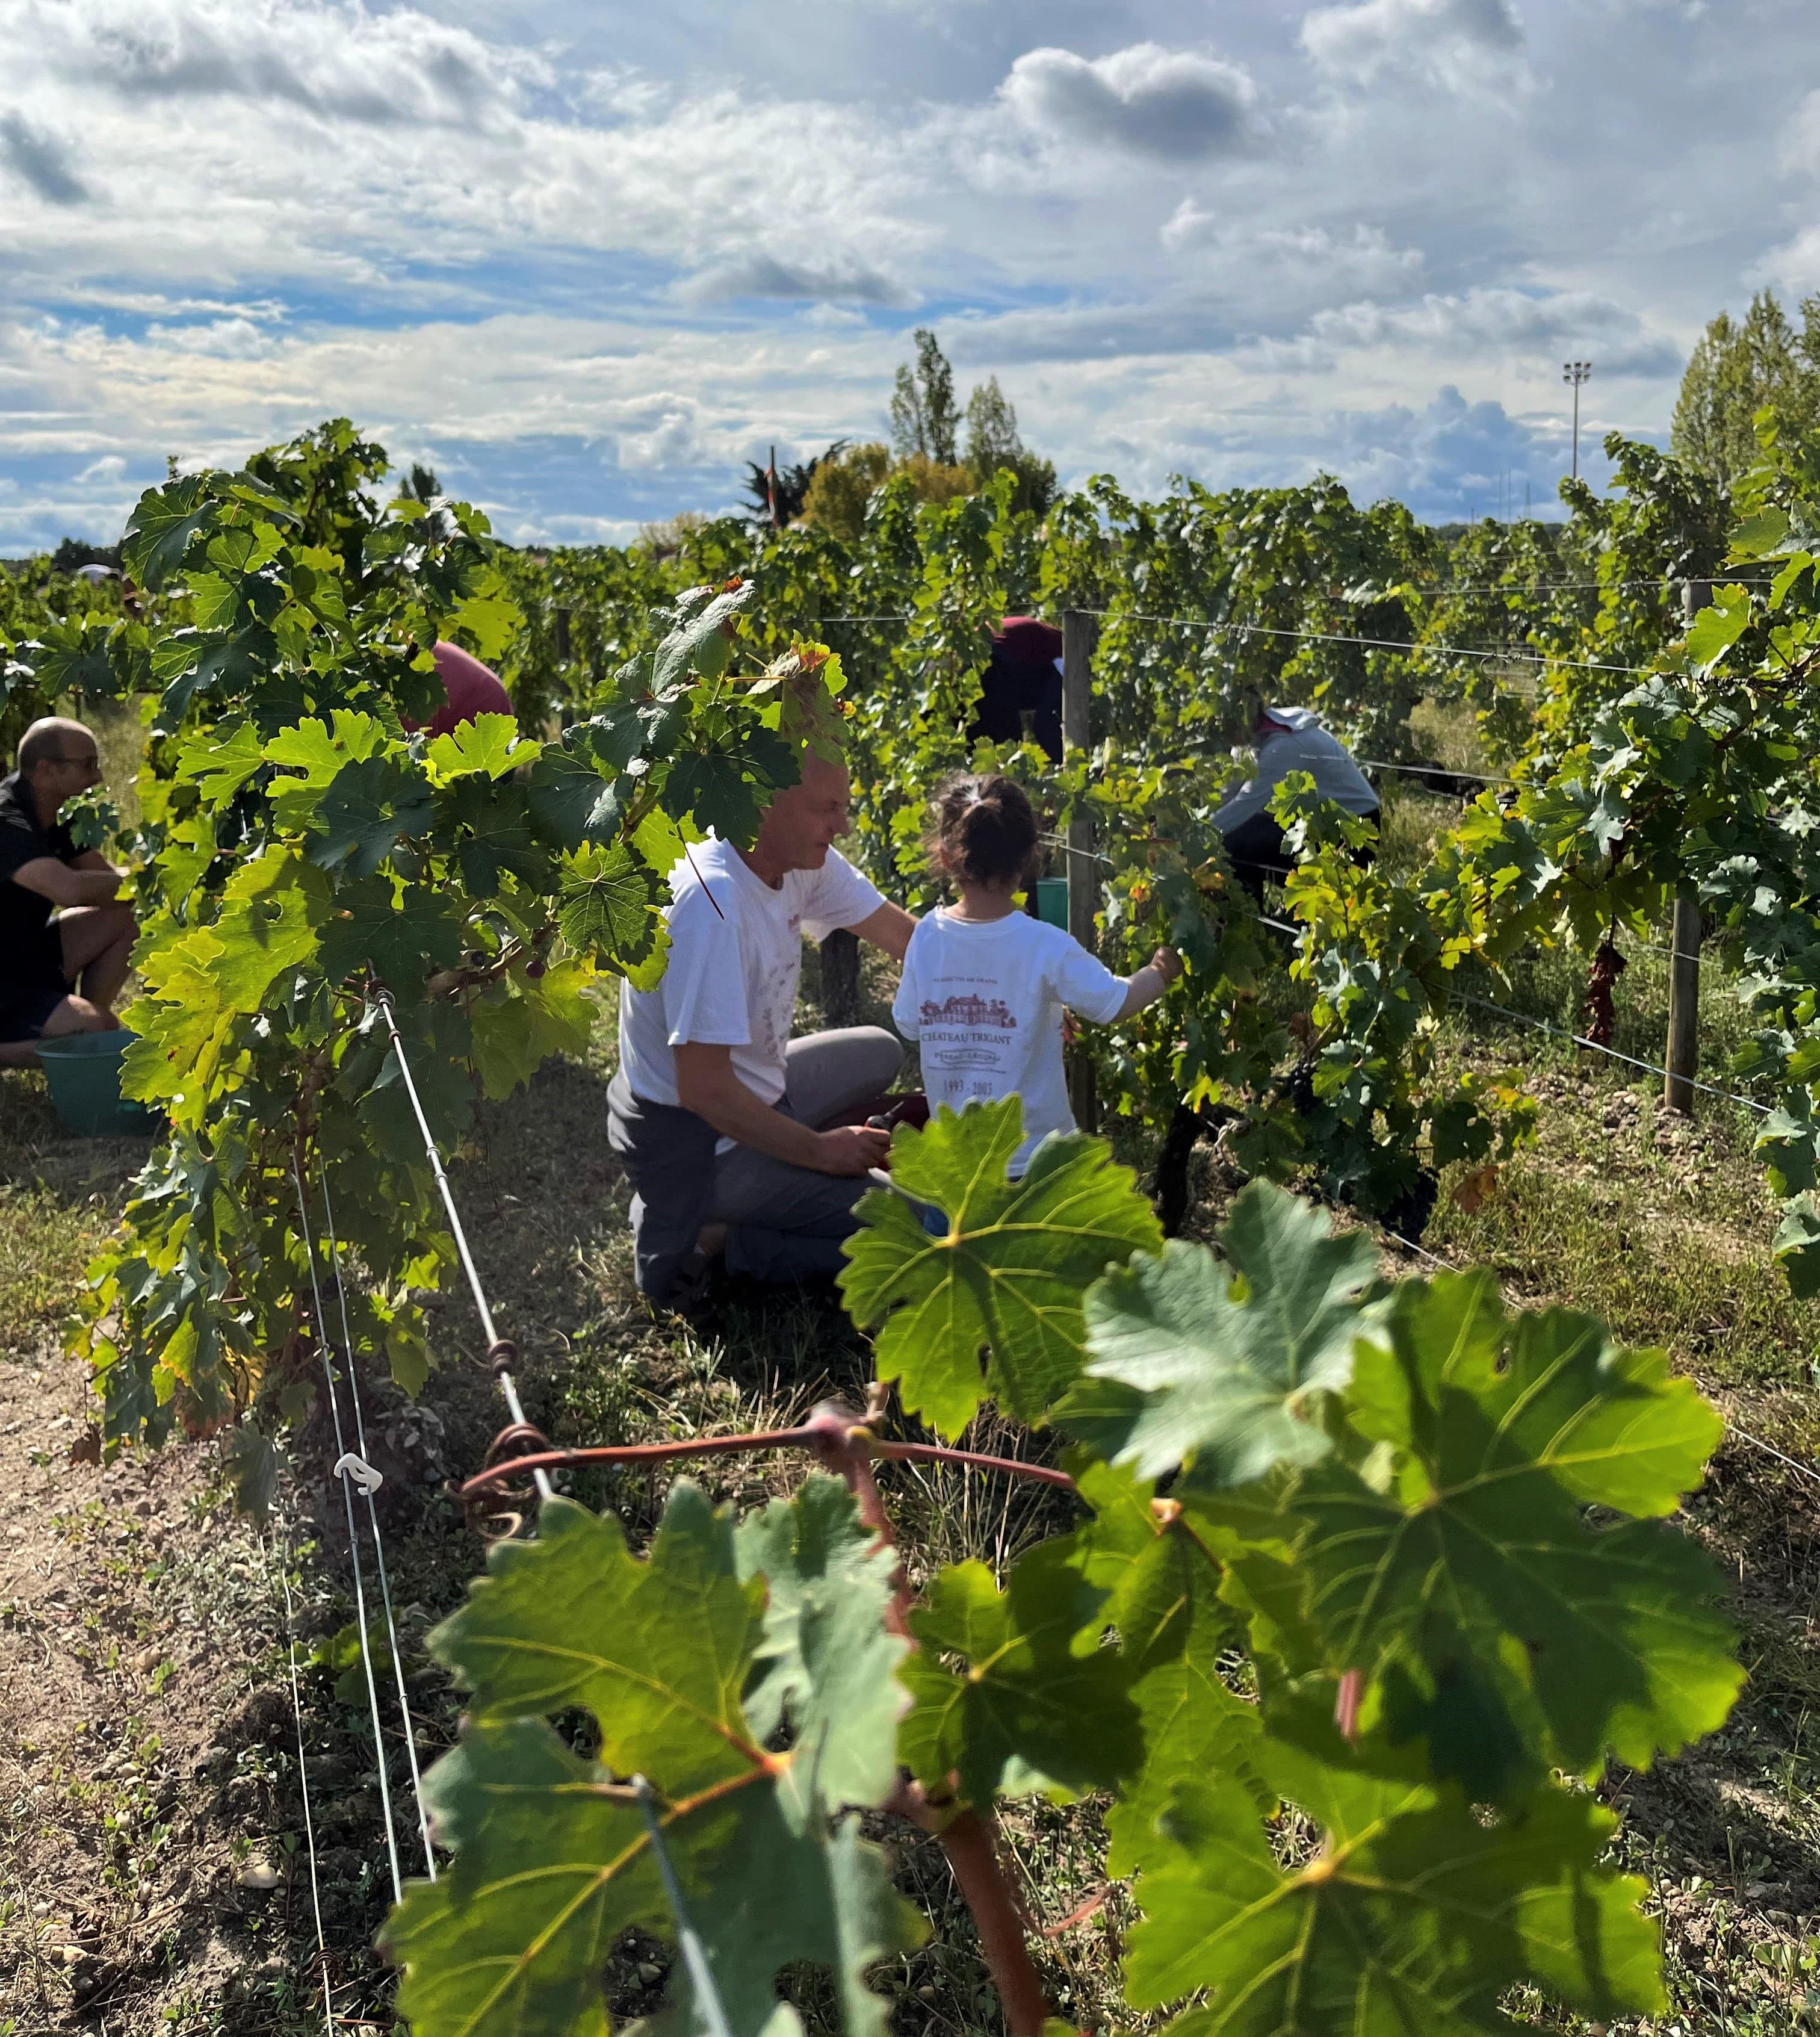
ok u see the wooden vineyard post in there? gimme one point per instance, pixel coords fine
(1683, 1055)
(1683, 1004)
(1077, 633)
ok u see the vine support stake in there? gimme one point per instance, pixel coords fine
(1682, 1058)
(1078, 631)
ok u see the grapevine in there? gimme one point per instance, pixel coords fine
(1269, 1636)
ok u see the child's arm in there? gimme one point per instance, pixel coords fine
(1150, 981)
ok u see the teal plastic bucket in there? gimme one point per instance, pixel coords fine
(1052, 900)
(83, 1070)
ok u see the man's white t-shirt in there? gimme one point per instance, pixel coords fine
(735, 955)
(983, 1003)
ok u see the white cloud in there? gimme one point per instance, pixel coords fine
(1360, 260)
(1800, 149)
(673, 441)
(1145, 101)
(40, 161)
(232, 338)
(1505, 323)
(761, 275)
(586, 268)
(1457, 44)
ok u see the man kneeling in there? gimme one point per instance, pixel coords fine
(65, 934)
(735, 1136)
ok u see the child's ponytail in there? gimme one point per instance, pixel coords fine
(985, 831)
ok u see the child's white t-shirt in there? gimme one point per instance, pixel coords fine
(983, 1002)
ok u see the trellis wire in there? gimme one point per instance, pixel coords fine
(303, 1785)
(379, 1543)
(1310, 636)
(346, 1476)
(1375, 643)
(688, 1941)
(1560, 1033)
(507, 1386)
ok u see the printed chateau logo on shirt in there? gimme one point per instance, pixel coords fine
(970, 1011)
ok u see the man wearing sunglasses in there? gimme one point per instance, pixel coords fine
(66, 935)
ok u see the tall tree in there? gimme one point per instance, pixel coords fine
(924, 417)
(993, 442)
(779, 495)
(1738, 367)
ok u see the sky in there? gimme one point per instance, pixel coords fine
(585, 262)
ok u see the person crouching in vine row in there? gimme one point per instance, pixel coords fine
(1286, 739)
(66, 933)
(985, 986)
(741, 1142)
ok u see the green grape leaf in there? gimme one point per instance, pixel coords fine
(495, 839)
(219, 766)
(1162, 1591)
(519, 1024)
(310, 748)
(189, 662)
(1230, 1374)
(402, 932)
(1477, 1563)
(1007, 1276)
(1413, 1915)
(366, 810)
(570, 801)
(491, 620)
(699, 642)
(199, 986)
(825, 1663)
(1039, 1705)
(609, 906)
(550, 1868)
(551, 1859)
(162, 526)
(488, 747)
(727, 795)
(1796, 1246)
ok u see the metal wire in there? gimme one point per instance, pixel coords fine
(694, 1954)
(1377, 643)
(1422, 770)
(379, 1543)
(507, 1386)
(1581, 1040)
(353, 1537)
(1561, 1033)
(303, 1784)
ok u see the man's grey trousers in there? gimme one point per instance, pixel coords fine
(783, 1223)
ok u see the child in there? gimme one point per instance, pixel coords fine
(984, 984)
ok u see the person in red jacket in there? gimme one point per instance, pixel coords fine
(472, 688)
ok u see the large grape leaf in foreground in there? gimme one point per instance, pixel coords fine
(551, 1860)
(1224, 1372)
(1163, 1602)
(1415, 1915)
(1039, 1705)
(1006, 1277)
(1473, 1579)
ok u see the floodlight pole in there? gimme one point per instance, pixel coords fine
(1576, 372)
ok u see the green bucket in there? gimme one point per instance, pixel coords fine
(1052, 900)
(83, 1070)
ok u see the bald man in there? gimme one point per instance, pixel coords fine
(66, 934)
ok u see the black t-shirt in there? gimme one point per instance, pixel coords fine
(24, 915)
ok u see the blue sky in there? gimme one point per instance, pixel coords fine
(586, 262)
